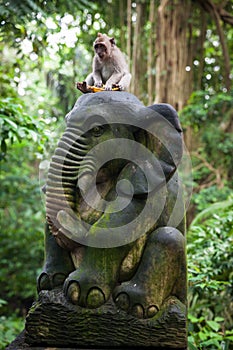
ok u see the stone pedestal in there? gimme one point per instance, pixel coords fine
(54, 322)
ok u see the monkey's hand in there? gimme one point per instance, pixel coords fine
(117, 87)
(98, 83)
(108, 86)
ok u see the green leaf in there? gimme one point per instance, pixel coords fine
(193, 319)
(191, 346)
(2, 302)
(7, 120)
(33, 135)
(202, 335)
(211, 342)
(214, 325)
(219, 319)
(212, 209)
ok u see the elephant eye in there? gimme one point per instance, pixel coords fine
(97, 130)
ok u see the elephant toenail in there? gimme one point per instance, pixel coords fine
(122, 301)
(73, 292)
(95, 298)
(44, 282)
(152, 311)
(138, 311)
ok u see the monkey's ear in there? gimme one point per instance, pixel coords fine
(112, 41)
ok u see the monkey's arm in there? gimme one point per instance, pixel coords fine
(125, 81)
(117, 79)
(97, 79)
(97, 73)
(93, 79)
(120, 73)
(114, 79)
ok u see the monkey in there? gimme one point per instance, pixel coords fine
(109, 65)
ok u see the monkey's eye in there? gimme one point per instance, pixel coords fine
(97, 130)
(100, 48)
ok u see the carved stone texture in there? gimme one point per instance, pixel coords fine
(114, 238)
(53, 321)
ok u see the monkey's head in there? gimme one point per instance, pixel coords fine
(103, 46)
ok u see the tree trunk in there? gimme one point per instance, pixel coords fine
(136, 59)
(219, 14)
(129, 31)
(200, 49)
(225, 52)
(151, 57)
(122, 23)
(173, 72)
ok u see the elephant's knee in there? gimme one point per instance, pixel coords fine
(169, 238)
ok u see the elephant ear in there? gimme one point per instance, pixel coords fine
(161, 133)
(168, 112)
(141, 180)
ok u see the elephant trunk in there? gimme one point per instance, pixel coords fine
(67, 163)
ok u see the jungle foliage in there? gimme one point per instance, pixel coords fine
(44, 51)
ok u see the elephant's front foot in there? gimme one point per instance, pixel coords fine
(135, 300)
(48, 281)
(58, 264)
(85, 289)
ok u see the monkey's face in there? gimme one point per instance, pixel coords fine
(101, 51)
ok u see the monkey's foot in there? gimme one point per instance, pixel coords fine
(135, 300)
(86, 289)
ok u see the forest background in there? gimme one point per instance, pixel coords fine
(180, 52)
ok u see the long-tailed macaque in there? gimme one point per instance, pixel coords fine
(109, 65)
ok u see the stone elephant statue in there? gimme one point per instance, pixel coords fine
(115, 217)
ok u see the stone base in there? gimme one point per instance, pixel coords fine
(53, 322)
(19, 344)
